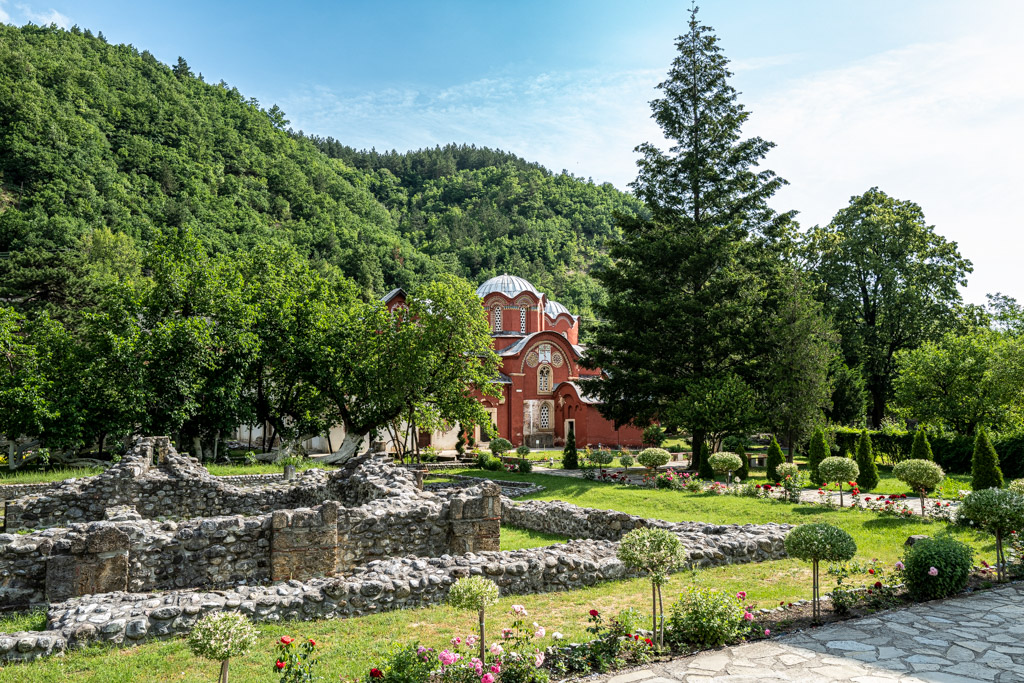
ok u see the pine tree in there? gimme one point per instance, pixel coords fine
(818, 452)
(867, 479)
(921, 450)
(774, 460)
(687, 281)
(704, 470)
(744, 471)
(570, 459)
(985, 472)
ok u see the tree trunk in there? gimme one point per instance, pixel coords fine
(197, 448)
(103, 437)
(349, 447)
(661, 613)
(330, 448)
(224, 671)
(216, 443)
(10, 455)
(654, 610)
(877, 406)
(697, 440)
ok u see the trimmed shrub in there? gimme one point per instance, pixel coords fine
(653, 458)
(836, 470)
(220, 637)
(936, 568)
(706, 617)
(816, 542)
(741, 450)
(725, 463)
(774, 460)
(953, 452)
(655, 552)
(867, 476)
(704, 470)
(788, 469)
(998, 511)
(524, 466)
(922, 476)
(523, 451)
(474, 593)
(500, 446)
(985, 472)
(818, 452)
(570, 459)
(626, 459)
(601, 457)
(921, 450)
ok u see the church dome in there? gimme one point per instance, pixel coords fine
(554, 309)
(509, 285)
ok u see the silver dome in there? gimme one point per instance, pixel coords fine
(553, 309)
(509, 285)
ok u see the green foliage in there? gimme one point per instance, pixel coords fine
(221, 636)
(787, 469)
(820, 542)
(888, 281)
(473, 593)
(867, 474)
(818, 451)
(626, 460)
(570, 458)
(524, 466)
(744, 471)
(952, 560)
(921, 450)
(998, 511)
(985, 472)
(706, 617)
(653, 458)
(601, 457)
(1017, 486)
(838, 470)
(725, 463)
(523, 451)
(500, 446)
(653, 551)
(654, 435)
(919, 474)
(403, 664)
(775, 459)
(704, 470)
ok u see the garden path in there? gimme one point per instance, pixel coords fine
(976, 637)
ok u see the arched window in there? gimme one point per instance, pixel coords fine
(544, 378)
(522, 319)
(545, 416)
(497, 318)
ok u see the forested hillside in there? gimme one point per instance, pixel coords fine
(94, 135)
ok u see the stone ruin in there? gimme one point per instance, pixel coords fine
(148, 547)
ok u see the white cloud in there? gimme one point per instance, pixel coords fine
(5, 18)
(45, 17)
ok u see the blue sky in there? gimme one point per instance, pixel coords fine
(921, 98)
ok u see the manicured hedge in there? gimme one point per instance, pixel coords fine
(952, 453)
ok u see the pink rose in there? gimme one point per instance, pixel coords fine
(747, 616)
(899, 566)
(456, 641)
(471, 641)
(767, 631)
(496, 649)
(519, 610)
(933, 572)
(487, 678)
(538, 660)
(447, 657)
(742, 595)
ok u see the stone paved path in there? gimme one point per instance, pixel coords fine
(971, 638)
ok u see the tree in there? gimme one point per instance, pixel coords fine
(744, 471)
(804, 348)
(889, 281)
(921, 449)
(867, 475)
(570, 458)
(818, 451)
(685, 287)
(962, 381)
(996, 510)
(849, 395)
(985, 472)
(921, 476)
(774, 460)
(704, 469)
(474, 593)
(839, 471)
(817, 542)
(656, 552)
(716, 407)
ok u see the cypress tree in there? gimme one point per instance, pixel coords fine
(818, 452)
(744, 471)
(867, 479)
(774, 460)
(703, 466)
(921, 450)
(570, 459)
(985, 472)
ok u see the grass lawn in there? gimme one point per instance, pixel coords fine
(220, 470)
(350, 646)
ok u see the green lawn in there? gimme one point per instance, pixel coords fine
(350, 646)
(42, 476)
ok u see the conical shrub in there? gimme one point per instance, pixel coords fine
(818, 452)
(867, 479)
(570, 459)
(921, 450)
(744, 471)
(704, 470)
(985, 472)
(774, 460)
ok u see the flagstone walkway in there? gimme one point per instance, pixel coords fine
(978, 637)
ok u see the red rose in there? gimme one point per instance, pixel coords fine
(280, 664)
(871, 571)
(878, 584)
(285, 640)
(594, 612)
(312, 642)
(649, 642)
(376, 673)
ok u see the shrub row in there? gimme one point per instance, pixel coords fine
(952, 452)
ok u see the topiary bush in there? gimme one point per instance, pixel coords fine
(921, 450)
(936, 568)
(788, 469)
(817, 452)
(500, 446)
(570, 458)
(523, 451)
(867, 472)
(921, 476)
(836, 470)
(655, 552)
(626, 459)
(725, 463)
(774, 460)
(816, 542)
(985, 472)
(998, 511)
(741, 450)
(704, 470)
(706, 617)
(653, 458)
(220, 637)
(474, 593)
(524, 466)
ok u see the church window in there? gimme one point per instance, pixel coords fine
(544, 378)
(497, 318)
(545, 416)
(522, 319)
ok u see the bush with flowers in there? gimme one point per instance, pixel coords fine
(877, 590)
(708, 617)
(836, 470)
(220, 637)
(296, 663)
(653, 458)
(474, 593)
(614, 645)
(936, 568)
(998, 511)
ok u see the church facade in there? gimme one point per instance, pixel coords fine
(541, 398)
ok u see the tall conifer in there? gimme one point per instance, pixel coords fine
(921, 450)
(774, 460)
(818, 452)
(867, 479)
(985, 472)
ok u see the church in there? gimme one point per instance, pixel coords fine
(541, 397)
